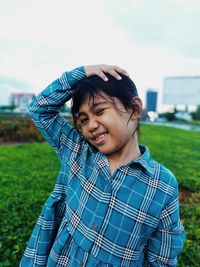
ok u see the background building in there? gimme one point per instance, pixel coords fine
(181, 90)
(20, 101)
(183, 93)
(151, 105)
(151, 101)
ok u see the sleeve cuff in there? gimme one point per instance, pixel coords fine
(68, 79)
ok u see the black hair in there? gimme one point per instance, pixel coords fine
(124, 90)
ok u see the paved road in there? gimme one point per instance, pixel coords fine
(188, 127)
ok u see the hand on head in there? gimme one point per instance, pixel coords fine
(102, 69)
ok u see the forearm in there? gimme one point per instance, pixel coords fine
(44, 109)
(49, 101)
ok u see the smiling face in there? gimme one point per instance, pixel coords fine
(107, 125)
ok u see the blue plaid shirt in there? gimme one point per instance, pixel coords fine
(92, 218)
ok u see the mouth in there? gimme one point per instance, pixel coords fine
(99, 139)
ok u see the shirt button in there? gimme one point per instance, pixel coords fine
(94, 227)
(81, 262)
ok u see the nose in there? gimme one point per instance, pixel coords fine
(92, 125)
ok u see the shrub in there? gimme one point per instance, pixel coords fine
(19, 130)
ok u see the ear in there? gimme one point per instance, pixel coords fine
(137, 102)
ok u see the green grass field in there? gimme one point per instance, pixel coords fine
(28, 173)
(178, 150)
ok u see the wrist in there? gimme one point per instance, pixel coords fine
(88, 71)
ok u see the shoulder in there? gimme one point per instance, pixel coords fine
(160, 175)
(167, 183)
(155, 169)
(167, 176)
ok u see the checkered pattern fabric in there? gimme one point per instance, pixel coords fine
(91, 218)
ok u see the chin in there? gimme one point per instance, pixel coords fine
(106, 151)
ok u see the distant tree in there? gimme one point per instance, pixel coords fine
(7, 108)
(196, 114)
(170, 116)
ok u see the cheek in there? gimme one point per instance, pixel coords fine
(84, 132)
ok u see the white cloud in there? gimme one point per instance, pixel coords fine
(41, 39)
(173, 24)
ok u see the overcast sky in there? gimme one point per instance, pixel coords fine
(40, 39)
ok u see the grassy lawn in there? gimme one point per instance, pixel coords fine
(178, 150)
(28, 173)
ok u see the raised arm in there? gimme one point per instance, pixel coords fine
(45, 107)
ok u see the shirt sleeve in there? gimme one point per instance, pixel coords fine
(45, 107)
(168, 239)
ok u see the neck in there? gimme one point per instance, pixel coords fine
(131, 152)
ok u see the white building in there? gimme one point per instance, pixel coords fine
(21, 101)
(182, 90)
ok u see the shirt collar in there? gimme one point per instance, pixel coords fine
(145, 160)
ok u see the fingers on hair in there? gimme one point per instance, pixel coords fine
(120, 70)
(102, 75)
(115, 74)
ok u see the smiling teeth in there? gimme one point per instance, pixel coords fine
(100, 137)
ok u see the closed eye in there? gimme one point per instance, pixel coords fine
(83, 120)
(99, 111)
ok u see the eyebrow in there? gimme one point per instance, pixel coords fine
(95, 104)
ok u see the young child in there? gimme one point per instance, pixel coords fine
(112, 204)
